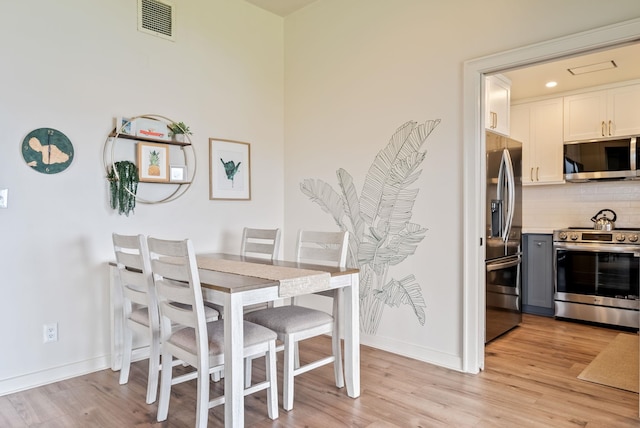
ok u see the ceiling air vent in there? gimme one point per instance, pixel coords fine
(157, 18)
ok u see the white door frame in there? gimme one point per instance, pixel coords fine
(474, 168)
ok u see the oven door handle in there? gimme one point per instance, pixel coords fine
(597, 248)
(503, 265)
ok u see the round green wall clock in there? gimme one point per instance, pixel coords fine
(47, 150)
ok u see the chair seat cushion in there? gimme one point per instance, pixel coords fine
(253, 334)
(289, 319)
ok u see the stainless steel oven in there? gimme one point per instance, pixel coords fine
(597, 275)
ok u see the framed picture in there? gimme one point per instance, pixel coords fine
(153, 162)
(177, 173)
(124, 125)
(229, 169)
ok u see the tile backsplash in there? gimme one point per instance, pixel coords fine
(573, 204)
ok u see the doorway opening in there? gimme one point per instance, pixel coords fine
(474, 169)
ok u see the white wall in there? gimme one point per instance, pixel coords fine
(74, 65)
(357, 70)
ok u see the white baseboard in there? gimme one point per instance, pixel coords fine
(57, 374)
(426, 355)
(54, 374)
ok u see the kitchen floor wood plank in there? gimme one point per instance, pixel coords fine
(530, 380)
(9, 416)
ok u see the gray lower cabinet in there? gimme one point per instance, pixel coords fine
(537, 274)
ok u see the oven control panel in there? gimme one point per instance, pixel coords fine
(597, 236)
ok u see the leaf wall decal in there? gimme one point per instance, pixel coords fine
(379, 222)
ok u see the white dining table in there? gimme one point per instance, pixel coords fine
(235, 291)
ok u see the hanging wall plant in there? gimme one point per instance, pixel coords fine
(123, 182)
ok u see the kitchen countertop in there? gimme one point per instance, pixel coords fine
(541, 230)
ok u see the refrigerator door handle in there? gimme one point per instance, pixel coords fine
(511, 186)
(506, 179)
(499, 202)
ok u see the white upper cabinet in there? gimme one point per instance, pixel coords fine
(602, 114)
(497, 102)
(538, 125)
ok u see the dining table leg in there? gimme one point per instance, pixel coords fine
(351, 317)
(233, 361)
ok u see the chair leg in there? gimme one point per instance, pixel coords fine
(127, 339)
(202, 399)
(248, 362)
(165, 386)
(287, 383)
(154, 367)
(335, 340)
(272, 391)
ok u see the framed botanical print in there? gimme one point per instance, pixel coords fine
(229, 170)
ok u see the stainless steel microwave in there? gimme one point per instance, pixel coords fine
(601, 160)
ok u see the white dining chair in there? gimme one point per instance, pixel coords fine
(194, 341)
(139, 306)
(261, 243)
(294, 323)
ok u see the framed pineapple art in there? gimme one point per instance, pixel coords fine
(153, 162)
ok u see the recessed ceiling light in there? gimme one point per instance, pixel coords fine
(551, 84)
(592, 67)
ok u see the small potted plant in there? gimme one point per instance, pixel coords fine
(178, 131)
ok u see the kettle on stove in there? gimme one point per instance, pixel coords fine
(604, 222)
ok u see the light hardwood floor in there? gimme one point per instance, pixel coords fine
(530, 381)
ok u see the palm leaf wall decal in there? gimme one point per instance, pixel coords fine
(352, 209)
(351, 203)
(405, 291)
(381, 232)
(324, 195)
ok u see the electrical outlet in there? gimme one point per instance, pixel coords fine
(50, 332)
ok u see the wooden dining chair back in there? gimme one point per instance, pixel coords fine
(262, 243)
(187, 336)
(294, 323)
(323, 248)
(139, 306)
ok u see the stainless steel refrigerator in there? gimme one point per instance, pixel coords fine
(503, 235)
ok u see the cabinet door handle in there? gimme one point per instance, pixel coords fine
(531, 174)
(539, 244)
(602, 125)
(538, 173)
(610, 128)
